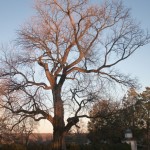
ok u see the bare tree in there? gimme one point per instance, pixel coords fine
(64, 52)
(13, 131)
(24, 130)
(5, 133)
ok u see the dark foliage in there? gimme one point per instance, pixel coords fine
(43, 146)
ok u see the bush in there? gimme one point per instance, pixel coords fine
(111, 147)
(41, 146)
(99, 147)
(13, 147)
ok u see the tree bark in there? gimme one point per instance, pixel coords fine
(58, 141)
(58, 124)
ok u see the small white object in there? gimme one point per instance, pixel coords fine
(128, 134)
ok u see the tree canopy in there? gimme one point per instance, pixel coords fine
(132, 112)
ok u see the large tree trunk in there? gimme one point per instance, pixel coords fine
(58, 124)
(58, 141)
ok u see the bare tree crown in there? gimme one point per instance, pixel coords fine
(72, 37)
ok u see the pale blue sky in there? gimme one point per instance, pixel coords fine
(139, 63)
(14, 13)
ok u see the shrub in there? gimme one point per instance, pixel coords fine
(41, 146)
(99, 147)
(13, 147)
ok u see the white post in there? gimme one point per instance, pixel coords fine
(133, 144)
(130, 140)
